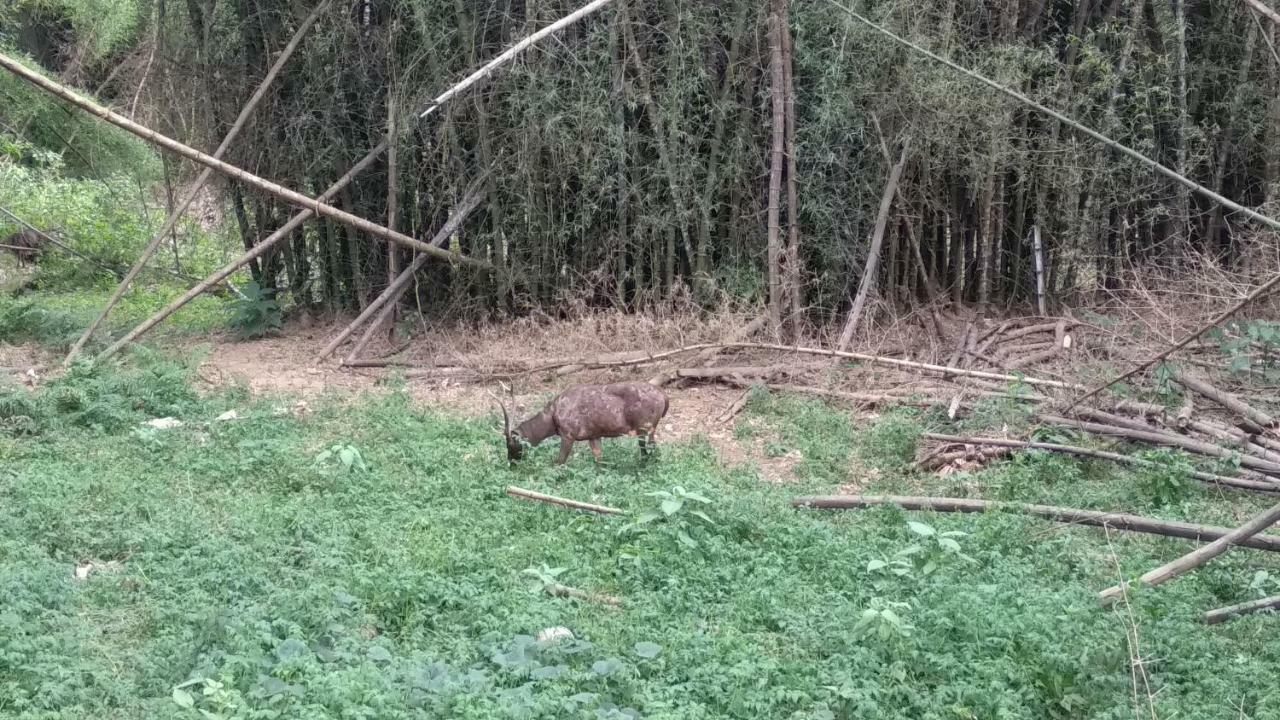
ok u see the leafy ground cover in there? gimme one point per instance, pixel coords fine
(360, 560)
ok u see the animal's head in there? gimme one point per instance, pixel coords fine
(515, 443)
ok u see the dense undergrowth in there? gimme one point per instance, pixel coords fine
(361, 560)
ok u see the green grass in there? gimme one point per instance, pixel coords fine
(309, 587)
(56, 319)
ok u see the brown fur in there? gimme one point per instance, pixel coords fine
(26, 246)
(592, 412)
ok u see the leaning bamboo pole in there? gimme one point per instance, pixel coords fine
(201, 179)
(400, 284)
(248, 178)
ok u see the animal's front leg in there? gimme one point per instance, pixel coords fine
(566, 447)
(595, 448)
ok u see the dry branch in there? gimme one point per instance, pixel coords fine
(516, 492)
(201, 179)
(1096, 518)
(1264, 11)
(1222, 480)
(1199, 557)
(1213, 617)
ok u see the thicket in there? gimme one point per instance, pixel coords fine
(629, 158)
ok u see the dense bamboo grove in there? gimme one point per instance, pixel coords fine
(631, 156)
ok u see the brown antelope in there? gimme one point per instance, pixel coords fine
(590, 412)
(26, 246)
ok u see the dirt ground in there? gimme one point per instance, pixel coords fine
(285, 365)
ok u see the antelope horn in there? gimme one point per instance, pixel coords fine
(506, 420)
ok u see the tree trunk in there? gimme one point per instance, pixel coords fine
(776, 163)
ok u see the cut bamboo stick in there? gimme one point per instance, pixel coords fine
(517, 492)
(1223, 614)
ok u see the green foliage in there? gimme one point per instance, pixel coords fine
(256, 314)
(677, 509)
(250, 581)
(104, 398)
(890, 443)
(1252, 345)
(1169, 481)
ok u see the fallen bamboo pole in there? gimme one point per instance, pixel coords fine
(1193, 560)
(1237, 483)
(1223, 614)
(201, 179)
(393, 292)
(1167, 439)
(1255, 421)
(517, 492)
(907, 364)
(1071, 516)
(190, 153)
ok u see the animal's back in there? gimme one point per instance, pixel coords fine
(589, 411)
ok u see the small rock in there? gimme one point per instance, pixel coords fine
(164, 423)
(82, 570)
(554, 634)
(229, 415)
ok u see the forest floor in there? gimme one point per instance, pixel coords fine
(340, 544)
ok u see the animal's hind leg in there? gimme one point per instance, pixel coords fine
(647, 443)
(566, 447)
(595, 448)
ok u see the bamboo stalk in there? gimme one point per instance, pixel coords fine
(517, 492)
(1072, 516)
(176, 212)
(873, 255)
(257, 251)
(1223, 614)
(1199, 557)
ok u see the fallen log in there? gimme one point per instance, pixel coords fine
(521, 493)
(1223, 614)
(1200, 556)
(1222, 480)
(1073, 516)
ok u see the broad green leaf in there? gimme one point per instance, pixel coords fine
(876, 565)
(647, 650)
(685, 539)
(605, 668)
(671, 507)
(920, 528)
(377, 653)
(702, 516)
(183, 699)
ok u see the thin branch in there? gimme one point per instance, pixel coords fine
(1223, 614)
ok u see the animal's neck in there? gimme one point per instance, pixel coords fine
(537, 428)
